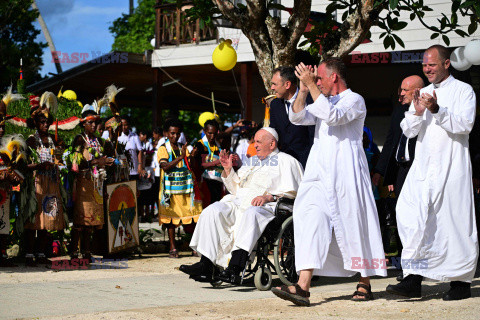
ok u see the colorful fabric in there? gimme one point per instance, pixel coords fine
(49, 214)
(88, 189)
(178, 180)
(176, 208)
(214, 173)
(4, 208)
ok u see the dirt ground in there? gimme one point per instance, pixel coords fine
(330, 297)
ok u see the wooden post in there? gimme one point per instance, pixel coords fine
(197, 31)
(157, 93)
(177, 28)
(158, 26)
(246, 88)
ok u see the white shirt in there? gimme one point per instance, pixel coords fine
(290, 102)
(132, 146)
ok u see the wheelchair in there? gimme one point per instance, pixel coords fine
(277, 237)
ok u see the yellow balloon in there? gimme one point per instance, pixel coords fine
(204, 117)
(70, 95)
(224, 57)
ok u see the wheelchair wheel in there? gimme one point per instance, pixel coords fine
(284, 254)
(263, 279)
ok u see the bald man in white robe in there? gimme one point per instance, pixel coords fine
(435, 211)
(236, 222)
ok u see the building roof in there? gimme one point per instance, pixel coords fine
(135, 73)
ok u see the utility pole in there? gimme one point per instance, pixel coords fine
(131, 7)
(48, 37)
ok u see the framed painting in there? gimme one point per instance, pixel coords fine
(122, 216)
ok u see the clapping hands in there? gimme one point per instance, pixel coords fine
(424, 101)
(307, 76)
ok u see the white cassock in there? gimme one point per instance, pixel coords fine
(435, 210)
(233, 223)
(335, 219)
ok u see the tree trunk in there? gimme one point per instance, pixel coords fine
(272, 44)
(44, 28)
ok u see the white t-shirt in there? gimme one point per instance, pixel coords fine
(132, 146)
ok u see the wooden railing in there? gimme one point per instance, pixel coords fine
(173, 28)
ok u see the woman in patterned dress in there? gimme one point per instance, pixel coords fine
(89, 162)
(48, 214)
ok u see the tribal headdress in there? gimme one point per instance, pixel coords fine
(109, 98)
(7, 98)
(12, 152)
(46, 105)
(95, 108)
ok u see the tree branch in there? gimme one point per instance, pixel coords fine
(355, 28)
(230, 12)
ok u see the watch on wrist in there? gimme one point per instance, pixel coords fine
(275, 198)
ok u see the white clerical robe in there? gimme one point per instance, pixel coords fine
(335, 219)
(435, 211)
(221, 225)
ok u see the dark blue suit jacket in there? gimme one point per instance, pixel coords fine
(387, 164)
(294, 140)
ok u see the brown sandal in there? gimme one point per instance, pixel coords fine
(173, 253)
(300, 297)
(366, 295)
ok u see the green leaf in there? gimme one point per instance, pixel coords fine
(386, 42)
(461, 33)
(399, 40)
(467, 4)
(393, 4)
(472, 27)
(454, 19)
(434, 35)
(455, 5)
(425, 8)
(383, 34)
(344, 15)
(446, 40)
(412, 16)
(400, 25)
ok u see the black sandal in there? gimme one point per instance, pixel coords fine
(300, 297)
(366, 295)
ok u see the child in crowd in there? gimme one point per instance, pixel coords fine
(177, 204)
(209, 159)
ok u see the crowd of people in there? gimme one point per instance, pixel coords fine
(315, 149)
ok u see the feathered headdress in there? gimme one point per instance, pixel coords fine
(266, 101)
(96, 106)
(48, 104)
(7, 98)
(111, 93)
(12, 152)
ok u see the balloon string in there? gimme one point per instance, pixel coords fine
(190, 90)
(213, 103)
(239, 94)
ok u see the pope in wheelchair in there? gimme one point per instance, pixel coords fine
(231, 227)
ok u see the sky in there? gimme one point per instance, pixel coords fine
(78, 26)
